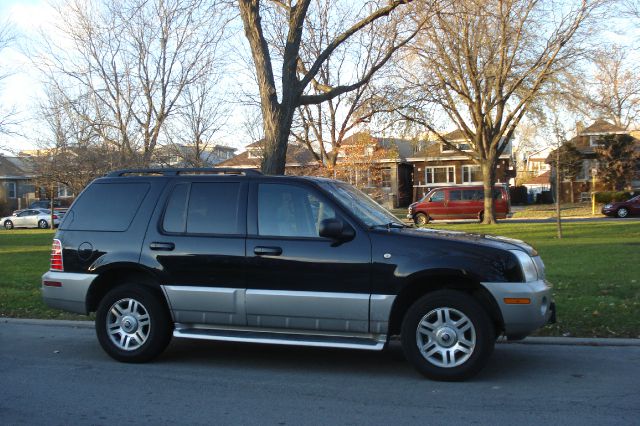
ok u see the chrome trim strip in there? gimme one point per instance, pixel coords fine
(291, 339)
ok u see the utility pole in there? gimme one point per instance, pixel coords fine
(558, 216)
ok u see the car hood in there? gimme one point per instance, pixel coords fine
(494, 241)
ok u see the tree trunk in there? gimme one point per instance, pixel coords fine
(488, 181)
(277, 127)
(572, 197)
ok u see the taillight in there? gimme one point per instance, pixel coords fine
(55, 216)
(56, 256)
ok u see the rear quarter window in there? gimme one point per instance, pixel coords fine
(106, 207)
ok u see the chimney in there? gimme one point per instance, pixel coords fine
(579, 127)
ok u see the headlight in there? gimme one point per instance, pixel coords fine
(527, 265)
(608, 206)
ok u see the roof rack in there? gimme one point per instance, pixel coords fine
(185, 171)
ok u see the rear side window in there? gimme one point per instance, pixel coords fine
(106, 207)
(203, 208)
(455, 195)
(472, 194)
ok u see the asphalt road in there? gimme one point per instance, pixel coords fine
(58, 375)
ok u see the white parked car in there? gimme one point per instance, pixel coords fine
(30, 218)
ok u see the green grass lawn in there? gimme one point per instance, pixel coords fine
(542, 211)
(595, 271)
(24, 257)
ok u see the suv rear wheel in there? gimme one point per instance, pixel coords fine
(133, 324)
(447, 335)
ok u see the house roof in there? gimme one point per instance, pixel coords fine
(297, 155)
(456, 135)
(403, 146)
(602, 126)
(15, 167)
(542, 179)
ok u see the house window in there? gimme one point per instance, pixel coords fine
(64, 191)
(253, 153)
(471, 174)
(462, 146)
(385, 178)
(595, 140)
(10, 188)
(585, 172)
(443, 174)
(368, 151)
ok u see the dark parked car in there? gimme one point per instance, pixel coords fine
(232, 255)
(622, 208)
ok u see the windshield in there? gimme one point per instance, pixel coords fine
(360, 204)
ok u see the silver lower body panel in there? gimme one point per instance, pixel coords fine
(522, 319)
(71, 294)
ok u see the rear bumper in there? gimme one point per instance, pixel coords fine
(522, 319)
(68, 292)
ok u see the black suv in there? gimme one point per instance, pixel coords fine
(232, 255)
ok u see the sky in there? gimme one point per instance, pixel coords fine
(22, 89)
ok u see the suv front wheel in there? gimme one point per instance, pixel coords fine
(447, 335)
(133, 324)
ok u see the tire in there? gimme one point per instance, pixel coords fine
(622, 212)
(143, 329)
(481, 217)
(8, 224)
(457, 341)
(43, 224)
(420, 219)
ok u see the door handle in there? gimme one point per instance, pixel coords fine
(267, 251)
(162, 246)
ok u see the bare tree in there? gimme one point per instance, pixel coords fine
(197, 123)
(70, 152)
(299, 71)
(132, 60)
(613, 92)
(483, 64)
(8, 116)
(323, 127)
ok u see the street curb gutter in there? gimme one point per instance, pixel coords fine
(575, 341)
(566, 341)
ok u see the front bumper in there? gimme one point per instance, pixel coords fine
(522, 319)
(66, 290)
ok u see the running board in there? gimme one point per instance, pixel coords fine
(373, 343)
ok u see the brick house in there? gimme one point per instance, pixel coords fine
(298, 158)
(436, 164)
(586, 141)
(17, 189)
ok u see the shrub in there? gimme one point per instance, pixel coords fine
(609, 196)
(518, 194)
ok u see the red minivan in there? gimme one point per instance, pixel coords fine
(458, 202)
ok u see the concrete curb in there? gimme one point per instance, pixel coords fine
(48, 323)
(566, 341)
(575, 341)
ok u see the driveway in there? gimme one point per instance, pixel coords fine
(55, 374)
